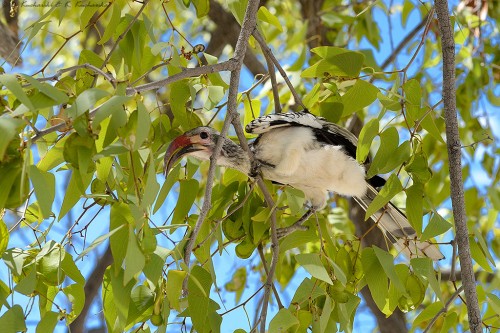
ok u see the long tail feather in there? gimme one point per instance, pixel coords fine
(398, 230)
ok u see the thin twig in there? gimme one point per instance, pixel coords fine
(188, 72)
(266, 269)
(444, 309)
(258, 37)
(248, 25)
(228, 65)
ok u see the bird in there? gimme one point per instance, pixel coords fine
(308, 153)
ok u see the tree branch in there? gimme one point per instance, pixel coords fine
(455, 165)
(444, 309)
(248, 25)
(228, 65)
(91, 288)
(267, 51)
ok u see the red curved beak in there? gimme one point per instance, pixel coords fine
(181, 146)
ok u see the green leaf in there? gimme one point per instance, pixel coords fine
(312, 263)
(199, 284)
(450, 322)
(85, 101)
(44, 184)
(4, 293)
(413, 100)
(79, 151)
(202, 7)
(238, 8)
(387, 261)
(408, 7)
(336, 62)
(376, 278)
(12, 320)
(77, 185)
(391, 188)
(424, 268)
(187, 194)
(143, 125)
(166, 187)
(48, 322)
(429, 124)
(389, 140)
(134, 258)
(4, 237)
(111, 24)
(478, 255)
(392, 104)
(86, 15)
(69, 267)
(414, 206)
(152, 187)
(427, 313)
(111, 107)
(284, 321)
(98, 241)
(9, 128)
(265, 16)
(237, 284)
(142, 299)
(418, 168)
(179, 95)
(484, 247)
(307, 291)
(366, 136)
(359, 96)
(76, 297)
(54, 156)
(437, 226)
(11, 83)
(120, 215)
(295, 199)
(175, 279)
(116, 299)
(58, 96)
(298, 239)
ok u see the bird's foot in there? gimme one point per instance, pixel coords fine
(282, 232)
(255, 169)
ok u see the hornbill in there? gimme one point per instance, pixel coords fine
(310, 154)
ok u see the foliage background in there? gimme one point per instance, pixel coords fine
(85, 129)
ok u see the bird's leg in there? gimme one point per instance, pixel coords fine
(282, 232)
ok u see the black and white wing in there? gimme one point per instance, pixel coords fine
(324, 131)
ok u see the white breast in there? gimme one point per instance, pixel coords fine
(300, 161)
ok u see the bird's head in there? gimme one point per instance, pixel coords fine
(199, 142)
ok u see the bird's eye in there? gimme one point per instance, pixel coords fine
(203, 135)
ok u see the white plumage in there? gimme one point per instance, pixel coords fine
(293, 156)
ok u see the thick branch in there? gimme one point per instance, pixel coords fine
(455, 165)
